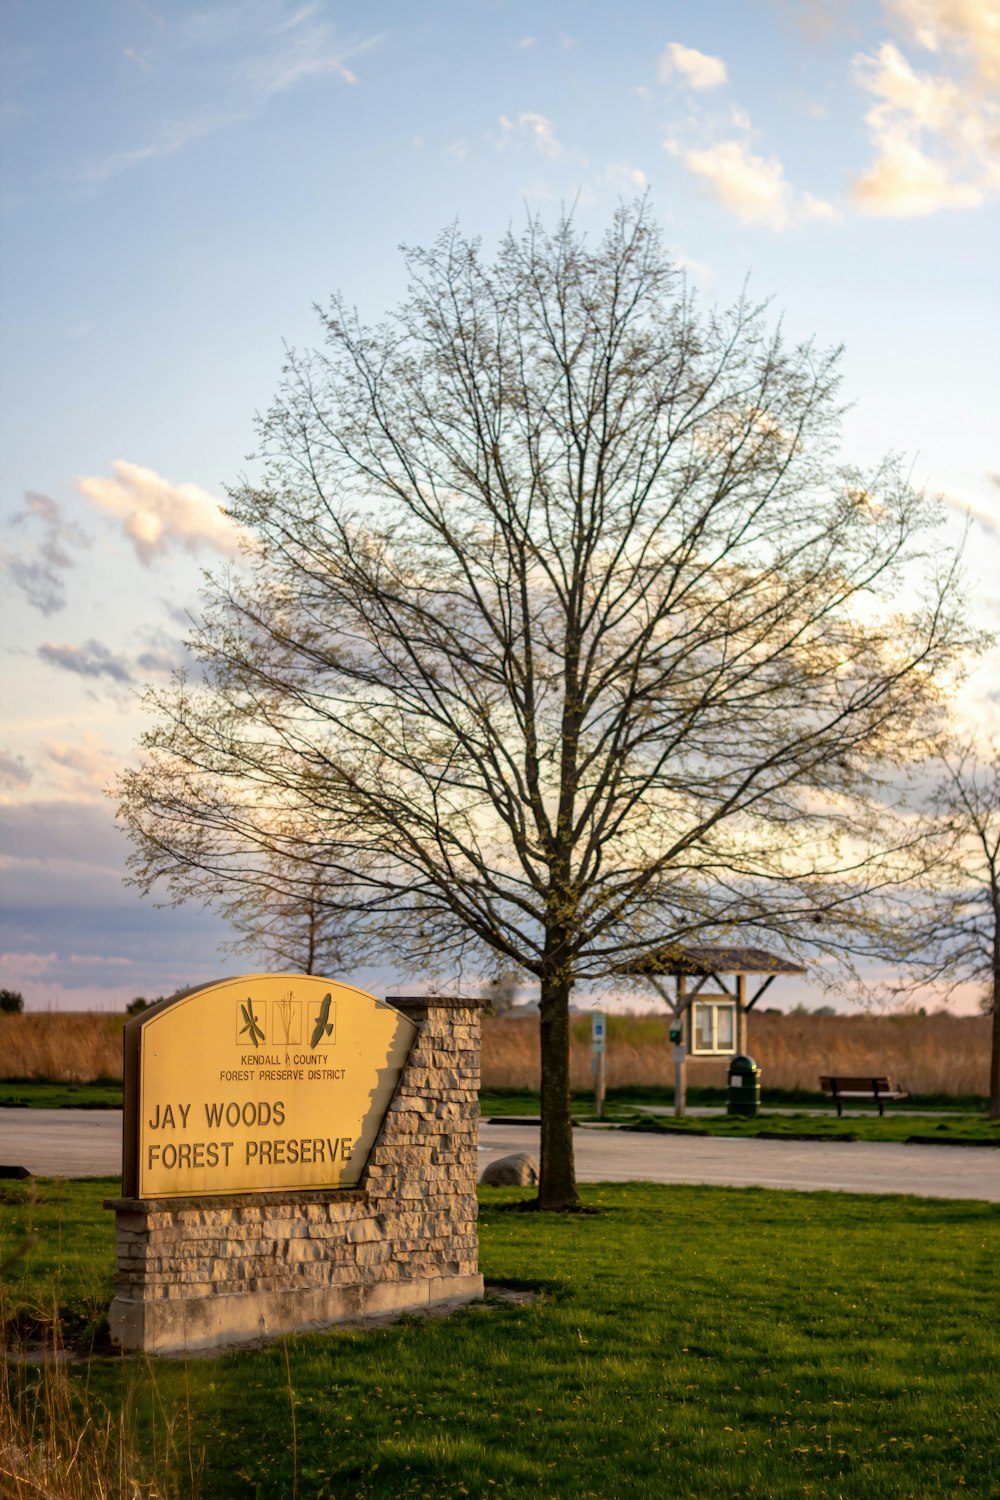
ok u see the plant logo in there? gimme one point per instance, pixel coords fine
(286, 1020)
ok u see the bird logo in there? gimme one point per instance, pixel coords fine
(324, 1026)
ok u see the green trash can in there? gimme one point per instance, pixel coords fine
(743, 1095)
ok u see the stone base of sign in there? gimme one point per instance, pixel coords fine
(196, 1274)
(193, 1325)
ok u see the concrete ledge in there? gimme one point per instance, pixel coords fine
(199, 1325)
(293, 1197)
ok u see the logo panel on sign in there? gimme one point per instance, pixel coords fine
(321, 1023)
(251, 1022)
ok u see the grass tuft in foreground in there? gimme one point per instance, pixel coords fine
(694, 1342)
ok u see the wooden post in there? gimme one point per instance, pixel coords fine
(680, 1052)
(599, 1085)
(741, 1014)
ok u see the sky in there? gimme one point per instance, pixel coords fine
(183, 183)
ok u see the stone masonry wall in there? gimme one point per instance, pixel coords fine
(197, 1273)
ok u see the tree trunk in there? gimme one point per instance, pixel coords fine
(995, 1054)
(995, 1044)
(557, 1177)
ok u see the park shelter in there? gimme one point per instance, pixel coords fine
(712, 990)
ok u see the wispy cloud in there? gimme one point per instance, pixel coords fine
(14, 769)
(161, 656)
(626, 178)
(38, 569)
(987, 518)
(754, 188)
(816, 19)
(158, 516)
(532, 128)
(228, 62)
(968, 28)
(89, 660)
(699, 70)
(84, 767)
(699, 271)
(164, 654)
(935, 134)
(171, 139)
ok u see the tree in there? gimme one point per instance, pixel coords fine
(950, 931)
(285, 914)
(11, 1002)
(564, 635)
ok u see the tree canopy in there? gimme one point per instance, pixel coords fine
(563, 634)
(945, 928)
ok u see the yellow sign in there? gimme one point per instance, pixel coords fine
(260, 1083)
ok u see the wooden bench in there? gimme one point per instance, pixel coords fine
(878, 1090)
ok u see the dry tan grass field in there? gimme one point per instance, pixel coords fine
(924, 1054)
(62, 1046)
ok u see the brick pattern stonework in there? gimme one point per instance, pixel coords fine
(204, 1273)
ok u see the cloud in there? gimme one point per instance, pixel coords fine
(90, 660)
(534, 128)
(233, 59)
(816, 19)
(165, 653)
(14, 769)
(71, 932)
(752, 187)
(627, 179)
(970, 28)
(162, 656)
(936, 135)
(158, 515)
(162, 661)
(988, 520)
(699, 69)
(38, 570)
(85, 767)
(170, 139)
(61, 832)
(698, 270)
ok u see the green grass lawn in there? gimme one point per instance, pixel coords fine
(33, 1093)
(857, 1124)
(687, 1341)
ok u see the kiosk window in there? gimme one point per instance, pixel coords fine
(713, 1026)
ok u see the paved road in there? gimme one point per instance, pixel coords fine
(62, 1142)
(837, 1166)
(80, 1143)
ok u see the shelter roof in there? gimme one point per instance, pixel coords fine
(710, 958)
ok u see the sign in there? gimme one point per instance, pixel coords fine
(256, 1084)
(598, 1031)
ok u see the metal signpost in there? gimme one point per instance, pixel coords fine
(598, 1037)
